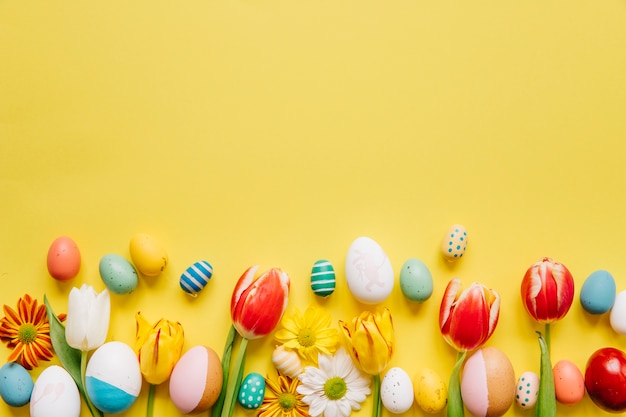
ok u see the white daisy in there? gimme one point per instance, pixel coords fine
(335, 388)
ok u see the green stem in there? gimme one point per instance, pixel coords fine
(234, 383)
(226, 356)
(455, 401)
(377, 406)
(546, 399)
(83, 368)
(150, 409)
(546, 336)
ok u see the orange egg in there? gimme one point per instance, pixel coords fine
(63, 259)
(569, 384)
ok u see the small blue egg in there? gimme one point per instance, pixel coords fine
(597, 294)
(252, 391)
(118, 274)
(323, 278)
(416, 282)
(16, 384)
(196, 277)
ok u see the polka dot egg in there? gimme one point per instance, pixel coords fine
(527, 390)
(252, 391)
(454, 243)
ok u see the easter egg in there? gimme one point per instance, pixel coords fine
(597, 294)
(416, 282)
(527, 390)
(196, 380)
(148, 254)
(55, 394)
(569, 384)
(605, 379)
(16, 384)
(119, 275)
(396, 391)
(488, 383)
(196, 277)
(323, 278)
(430, 390)
(113, 377)
(287, 362)
(454, 243)
(63, 259)
(617, 318)
(252, 391)
(369, 274)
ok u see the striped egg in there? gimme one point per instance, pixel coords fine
(196, 277)
(287, 362)
(323, 278)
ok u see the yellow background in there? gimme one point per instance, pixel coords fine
(276, 132)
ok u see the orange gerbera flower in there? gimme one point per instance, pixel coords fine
(27, 331)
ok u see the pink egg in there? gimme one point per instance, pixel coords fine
(569, 384)
(63, 259)
(196, 380)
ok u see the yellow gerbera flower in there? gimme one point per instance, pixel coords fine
(27, 331)
(282, 399)
(309, 334)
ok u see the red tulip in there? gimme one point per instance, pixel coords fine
(468, 318)
(258, 303)
(547, 291)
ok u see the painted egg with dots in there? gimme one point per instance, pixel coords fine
(454, 243)
(323, 280)
(252, 391)
(118, 274)
(16, 384)
(196, 277)
(527, 390)
(113, 378)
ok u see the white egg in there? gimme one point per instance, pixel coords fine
(369, 274)
(113, 378)
(527, 390)
(618, 313)
(55, 394)
(396, 391)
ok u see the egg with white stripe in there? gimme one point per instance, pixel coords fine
(323, 278)
(113, 378)
(196, 277)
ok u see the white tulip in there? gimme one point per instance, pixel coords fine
(88, 315)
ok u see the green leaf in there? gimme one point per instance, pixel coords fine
(226, 357)
(68, 356)
(455, 400)
(546, 400)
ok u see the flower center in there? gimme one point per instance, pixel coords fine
(306, 337)
(287, 401)
(335, 388)
(27, 333)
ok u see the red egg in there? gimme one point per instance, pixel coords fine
(63, 259)
(605, 379)
(569, 384)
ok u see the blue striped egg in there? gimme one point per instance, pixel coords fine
(196, 277)
(113, 378)
(323, 279)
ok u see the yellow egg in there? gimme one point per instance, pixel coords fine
(148, 254)
(431, 392)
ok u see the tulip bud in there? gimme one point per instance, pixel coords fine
(468, 318)
(258, 303)
(158, 348)
(88, 315)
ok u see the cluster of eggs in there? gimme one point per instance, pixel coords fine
(148, 257)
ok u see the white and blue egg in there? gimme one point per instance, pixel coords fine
(196, 277)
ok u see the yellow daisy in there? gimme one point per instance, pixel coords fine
(282, 399)
(309, 334)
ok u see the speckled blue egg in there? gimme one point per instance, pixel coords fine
(323, 278)
(252, 391)
(597, 294)
(416, 282)
(118, 274)
(113, 378)
(196, 277)
(16, 384)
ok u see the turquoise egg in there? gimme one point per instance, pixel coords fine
(597, 294)
(416, 282)
(196, 277)
(252, 391)
(323, 278)
(118, 274)
(16, 384)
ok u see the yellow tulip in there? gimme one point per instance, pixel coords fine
(158, 347)
(370, 340)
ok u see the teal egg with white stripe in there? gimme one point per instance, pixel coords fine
(113, 377)
(323, 278)
(196, 277)
(252, 391)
